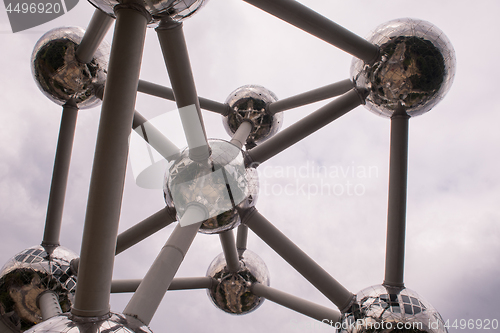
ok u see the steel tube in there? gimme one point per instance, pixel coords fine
(230, 252)
(157, 90)
(241, 238)
(317, 25)
(155, 137)
(155, 284)
(396, 217)
(96, 31)
(299, 260)
(304, 127)
(110, 161)
(60, 173)
(240, 136)
(312, 96)
(48, 303)
(176, 57)
(130, 286)
(144, 229)
(307, 308)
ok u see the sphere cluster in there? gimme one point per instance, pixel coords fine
(250, 102)
(231, 292)
(415, 68)
(385, 309)
(59, 74)
(221, 184)
(114, 323)
(27, 275)
(177, 10)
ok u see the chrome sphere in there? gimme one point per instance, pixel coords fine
(26, 276)
(60, 76)
(231, 292)
(221, 184)
(250, 102)
(177, 10)
(114, 323)
(415, 69)
(385, 309)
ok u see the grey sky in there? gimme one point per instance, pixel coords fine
(453, 238)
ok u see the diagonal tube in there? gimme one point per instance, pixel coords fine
(60, 173)
(144, 229)
(130, 286)
(312, 96)
(304, 127)
(240, 136)
(317, 25)
(173, 45)
(230, 252)
(396, 215)
(110, 161)
(299, 260)
(157, 90)
(155, 284)
(307, 308)
(95, 33)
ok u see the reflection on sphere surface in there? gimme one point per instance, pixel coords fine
(231, 292)
(58, 73)
(27, 275)
(382, 309)
(415, 69)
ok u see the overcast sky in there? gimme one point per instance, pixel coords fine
(453, 232)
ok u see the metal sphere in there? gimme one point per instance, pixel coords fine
(250, 102)
(27, 275)
(415, 69)
(58, 73)
(231, 292)
(385, 309)
(177, 10)
(114, 323)
(221, 184)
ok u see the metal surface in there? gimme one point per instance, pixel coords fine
(60, 173)
(49, 305)
(130, 286)
(230, 252)
(110, 160)
(94, 35)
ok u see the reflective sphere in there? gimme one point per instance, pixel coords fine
(384, 309)
(115, 323)
(60, 76)
(177, 10)
(232, 292)
(220, 183)
(249, 102)
(27, 275)
(415, 69)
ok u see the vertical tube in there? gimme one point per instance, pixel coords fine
(60, 177)
(153, 287)
(49, 305)
(317, 25)
(95, 33)
(110, 161)
(299, 260)
(396, 216)
(173, 45)
(241, 238)
(230, 252)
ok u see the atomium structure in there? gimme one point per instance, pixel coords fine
(211, 187)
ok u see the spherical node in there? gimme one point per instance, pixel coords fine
(174, 9)
(415, 69)
(231, 292)
(26, 276)
(114, 323)
(250, 102)
(59, 74)
(221, 184)
(386, 309)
